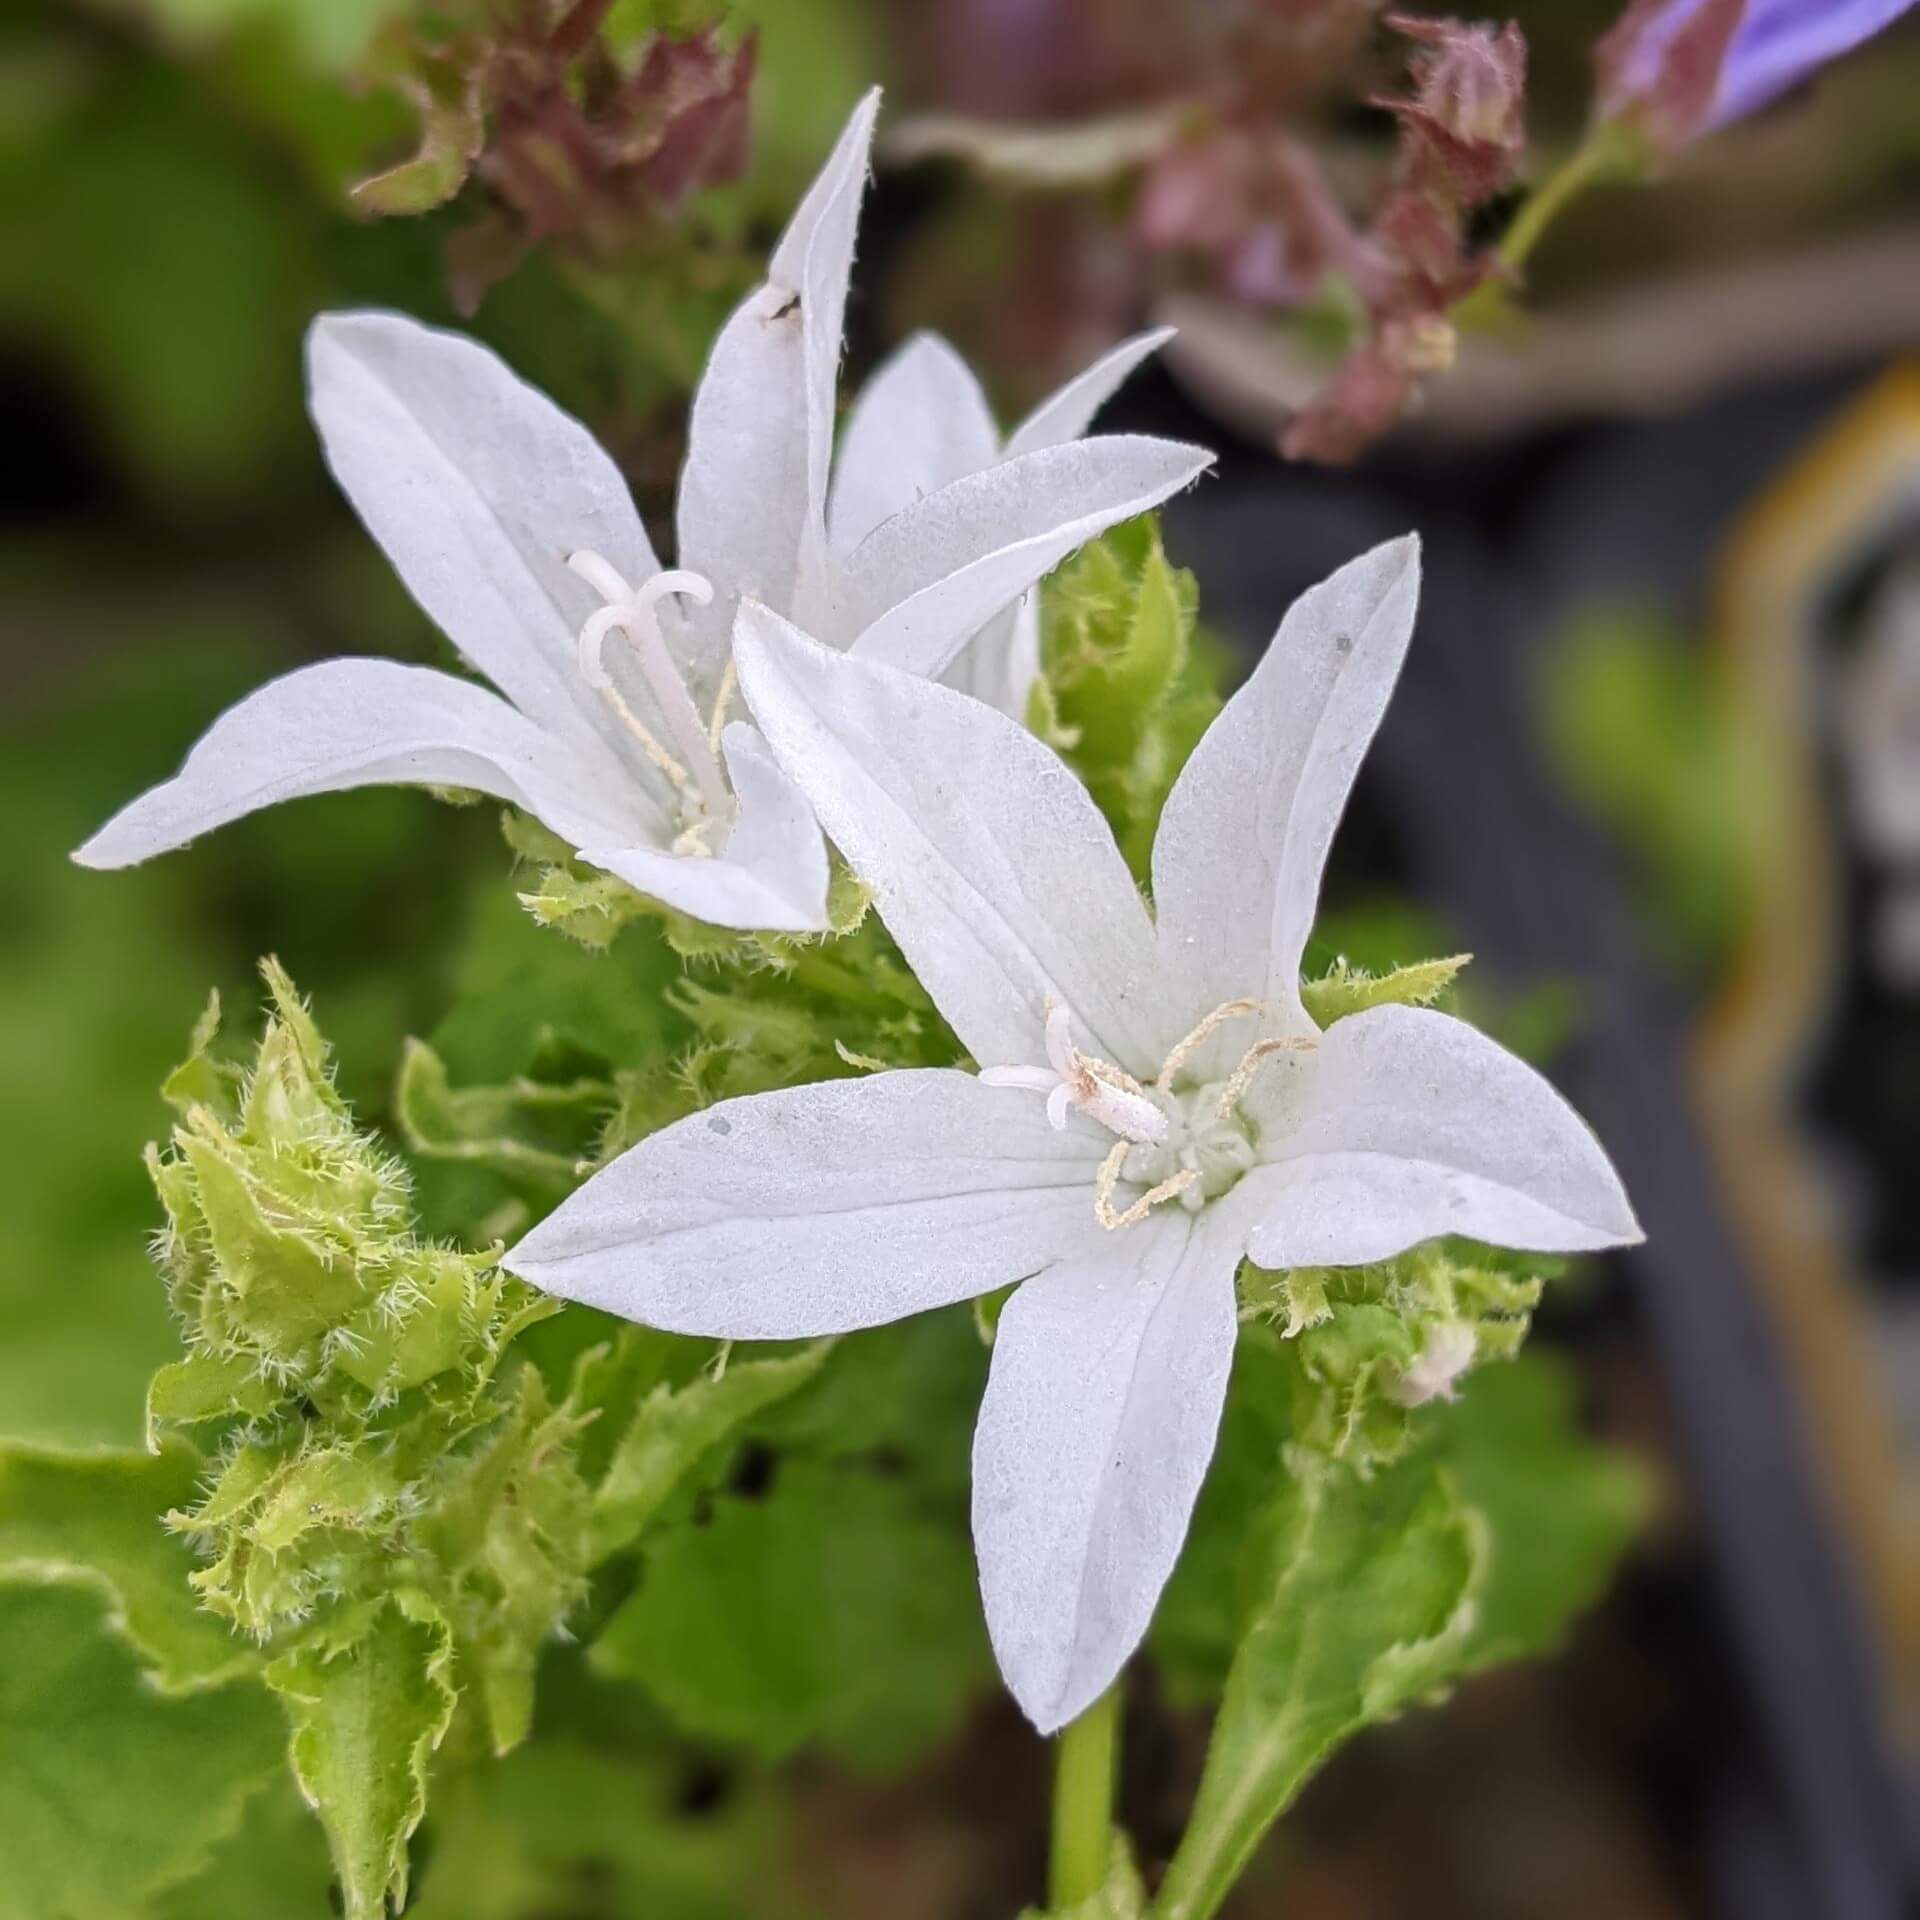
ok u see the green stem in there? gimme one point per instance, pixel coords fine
(1587, 164)
(1086, 1762)
(1611, 151)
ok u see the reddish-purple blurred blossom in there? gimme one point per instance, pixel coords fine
(574, 143)
(1680, 68)
(1255, 202)
(1464, 128)
(1462, 134)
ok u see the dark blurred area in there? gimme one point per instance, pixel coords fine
(1656, 759)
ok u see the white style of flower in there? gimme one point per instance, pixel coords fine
(1154, 1104)
(514, 531)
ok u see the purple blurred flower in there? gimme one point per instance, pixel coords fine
(1686, 67)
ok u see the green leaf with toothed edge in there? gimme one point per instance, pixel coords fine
(1358, 1601)
(1360, 1593)
(109, 1790)
(1349, 989)
(370, 1696)
(674, 1427)
(96, 1519)
(833, 1609)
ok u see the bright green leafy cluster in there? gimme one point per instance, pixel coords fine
(1127, 684)
(382, 1494)
(365, 1444)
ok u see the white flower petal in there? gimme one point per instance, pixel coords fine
(1066, 414)
(1099, 1419)
(1002, 661)
(478, 487)
(988, 861)
(752, 505)
(924, 582)
(770, 875)
(815, 258)
(1403, 1125)
(1243, 840)
(823, 1208)
(920, 422)
(363, 723)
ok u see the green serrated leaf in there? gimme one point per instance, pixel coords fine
(674, 1427)
(109, 1791)
(525, 1127)
(275, 1864)
(1350, 989)
(207, 1386)
(96, 1519)
(1560, 1509)
(511, 1526)
(1124, 693)
(1358, 1601)
(370, 1697)
(833, 1611)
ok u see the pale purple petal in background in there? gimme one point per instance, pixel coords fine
(1781, 42)
(1688, 66)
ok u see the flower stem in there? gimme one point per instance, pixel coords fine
(1610, 151)
(1086, 1762)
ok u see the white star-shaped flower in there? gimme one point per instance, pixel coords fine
(1155, 1103)
(616, 721)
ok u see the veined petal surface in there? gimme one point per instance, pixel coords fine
(477, 487)
(1099, 1419)
(1403, 1125)
(1244, 838)
(367, 723)
(823, 1208)
(924, 582)
(988, 860)
(752, 503)
(920, 423)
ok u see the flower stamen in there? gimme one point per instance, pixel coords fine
(1161, 1142)
(1108, 1177)
(1187, 1048)
(1251, 1062)
(729, 675)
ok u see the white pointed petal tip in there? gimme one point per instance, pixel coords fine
(1379, 573)
(1067, 413)
(1102, 1406)
(1414, 1126)
(847, 163)
(335, 338)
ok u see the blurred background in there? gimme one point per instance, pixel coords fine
(1657, 758)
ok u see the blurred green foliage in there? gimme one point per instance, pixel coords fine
(1634, 724)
